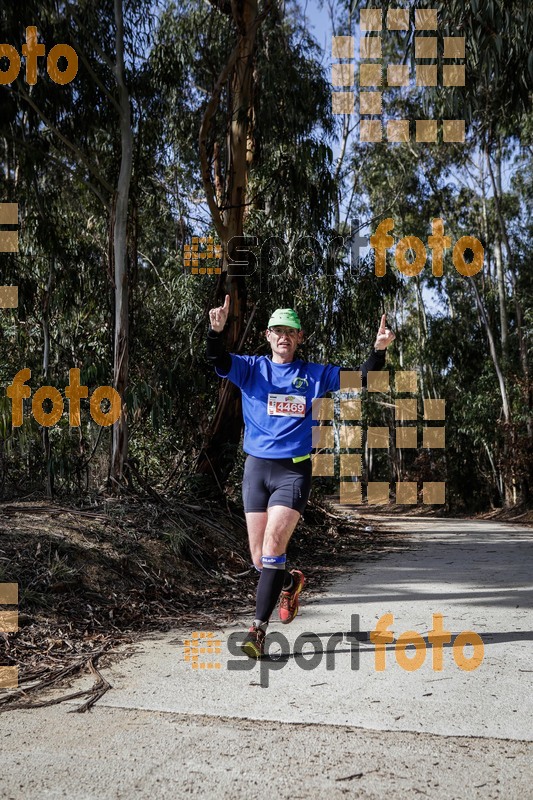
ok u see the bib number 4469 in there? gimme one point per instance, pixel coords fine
(283, 405)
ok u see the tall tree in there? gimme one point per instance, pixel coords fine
(227, 199)
(119, 454)
(263, 169)
(74, 118)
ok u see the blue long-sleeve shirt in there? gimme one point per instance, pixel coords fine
(277, 398)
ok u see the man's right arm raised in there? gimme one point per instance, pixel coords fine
(217, 355)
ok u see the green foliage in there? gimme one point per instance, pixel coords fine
(61, 162)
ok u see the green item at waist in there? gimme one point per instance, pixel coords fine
(301, 458)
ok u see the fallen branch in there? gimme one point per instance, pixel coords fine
(99, 689)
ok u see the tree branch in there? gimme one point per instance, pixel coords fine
(105, 58)
(71, 146)
(207, 119)
(205, 127)
(95, 77)
(222, 5)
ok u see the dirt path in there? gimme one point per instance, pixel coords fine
(300, 729)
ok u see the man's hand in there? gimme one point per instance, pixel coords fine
(385, 336)
(218, 316)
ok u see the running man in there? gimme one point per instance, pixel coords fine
(277, 394)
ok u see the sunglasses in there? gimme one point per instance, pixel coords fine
(277, 331)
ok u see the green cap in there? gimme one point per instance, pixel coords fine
(285, 316)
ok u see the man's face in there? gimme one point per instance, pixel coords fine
(284, 341)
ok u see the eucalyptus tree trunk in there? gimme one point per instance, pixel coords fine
(218, 454)
(522, 343)
(427, 385)
(504, 325)
(500, 278)
(46, 363)
(119, 232)
(496, 187)
(493, 352)
(508, 476)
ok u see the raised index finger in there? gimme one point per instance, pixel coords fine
(226, 302)
(383, 323)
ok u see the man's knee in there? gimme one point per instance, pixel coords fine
(276, 541)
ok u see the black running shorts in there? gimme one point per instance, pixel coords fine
(275, 482)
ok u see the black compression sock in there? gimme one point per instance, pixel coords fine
(288, 581)
(268, 590)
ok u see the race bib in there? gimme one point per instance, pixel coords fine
(286, 405)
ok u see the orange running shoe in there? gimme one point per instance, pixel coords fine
(254, 644)
(289, 603)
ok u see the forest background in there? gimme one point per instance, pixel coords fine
(215, 119)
